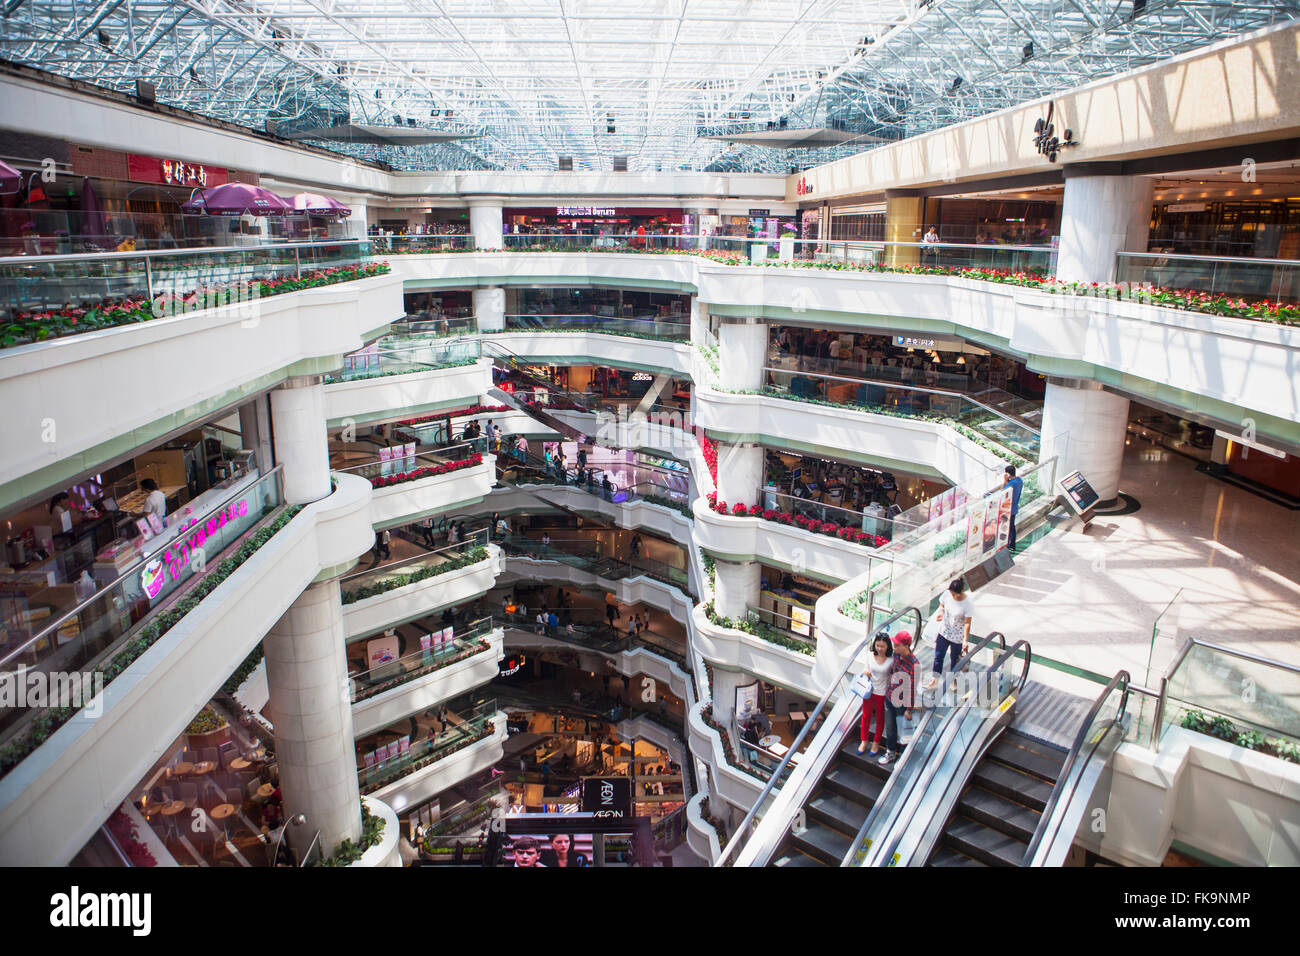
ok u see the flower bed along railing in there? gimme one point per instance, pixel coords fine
(478, 647)
(122, 829)
(372, 831)
(385, 373)
(1222, 728)
(487, 729)
(706, 714)
(55, 717)
(27, 327)
(387, 481)
(474, 556)
(829, 528)
(759, 629)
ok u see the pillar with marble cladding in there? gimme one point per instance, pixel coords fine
(1084, 428)
(1101, 215)
(311, 711)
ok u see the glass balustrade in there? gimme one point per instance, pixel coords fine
(416, 245)
(41, 296)
(432, 655)
(907, 401)
(1276, 281)
(675, 327)
(405, 756)
(398, 355)
(387, 577)
(50, 633)
(398, 463)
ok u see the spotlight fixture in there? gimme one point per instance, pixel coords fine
(105, 40)
(956, 84)
(1027, 52)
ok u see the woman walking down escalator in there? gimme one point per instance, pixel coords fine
(873, 705)
(902, 685)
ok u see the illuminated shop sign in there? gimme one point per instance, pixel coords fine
(174, 172)
(584, 211)
(803, 188)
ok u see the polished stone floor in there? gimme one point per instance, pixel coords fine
(1199, 558)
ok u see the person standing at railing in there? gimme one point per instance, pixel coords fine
(873, 705)
(929, 247)
(1016, 485)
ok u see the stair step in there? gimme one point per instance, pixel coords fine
(792, 856)
(839, 811)
(984, 843)
(947, 856)
(997, 811)
(1009, 782)
(1030, 756)
(854, 783)
(848, 754)
(824, 842)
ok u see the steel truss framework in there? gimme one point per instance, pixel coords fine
(532, 81)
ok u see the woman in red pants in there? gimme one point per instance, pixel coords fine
(874, 706)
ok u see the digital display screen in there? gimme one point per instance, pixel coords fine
(1080, 492)
(548, 850)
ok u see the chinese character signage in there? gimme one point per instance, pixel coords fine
(174, 172)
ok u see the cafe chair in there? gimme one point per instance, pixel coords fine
(189, 756)
(209, 754)
(251, 790)
(228, 752)
(234, 796)
(189, 795)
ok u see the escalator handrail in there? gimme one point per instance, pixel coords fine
(1119, 682)
(1012, 652)
(734, 843)
(886, 791)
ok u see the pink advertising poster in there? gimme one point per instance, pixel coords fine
(992, 506)
(1004, 519)
(404, 744)
(370, 759)
(949, 499)
(426, 642)
(448, 635)
(974, 532)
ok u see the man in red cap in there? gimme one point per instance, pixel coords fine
(902, 685)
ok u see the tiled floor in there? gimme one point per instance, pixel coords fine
(1224, 562)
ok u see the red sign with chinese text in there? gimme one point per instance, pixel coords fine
(174, 172)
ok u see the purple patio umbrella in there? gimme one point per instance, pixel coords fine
(236, 199)
(315, 204)
(11, 180)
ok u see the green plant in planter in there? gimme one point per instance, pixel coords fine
(473, 556)
(372, 831)
(206, 722)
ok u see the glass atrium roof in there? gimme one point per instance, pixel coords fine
(732, 85)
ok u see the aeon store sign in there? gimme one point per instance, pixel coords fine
(176, 564)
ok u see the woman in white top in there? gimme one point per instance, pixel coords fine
(955, 610)
(873, 706)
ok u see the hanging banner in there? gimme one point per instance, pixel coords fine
(386, 461)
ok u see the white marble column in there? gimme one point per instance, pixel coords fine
(742, 353)
(736, 587)
(740, 473)
(1084, 427)
(1100, 216)
(485, 223)
(490, 308)
(724, 694)
(301, 440)
(310, 708)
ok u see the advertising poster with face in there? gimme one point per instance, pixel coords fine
(974, 532)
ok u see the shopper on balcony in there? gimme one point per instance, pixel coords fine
(1016, 485)
(873, 704)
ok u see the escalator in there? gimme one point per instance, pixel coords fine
(1002, 806)
(505, 358)
(836, 810)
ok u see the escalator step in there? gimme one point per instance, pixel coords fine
(947, 856)
(995, 810)
(1012, 784)
(792, 856)
(819, 840)
(864, 761)
(856, 784)
(1031, 756)
(839, 811)
(984, 843)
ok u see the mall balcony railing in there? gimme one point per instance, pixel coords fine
(941, 538)
(430, 456)
(1231, 694)
(1273, 280)
(416, 327)
(592, 630)
(30, 231)
(465, 644)
(466, 729)
(585, 554)
(35, 284)
(391, 358)
(908, 401)
(1028, 411)
(880, 524)
(387, 577)
(800, 635)
(675, 327)
(655, 486)
(416, 245)
(82, 635)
